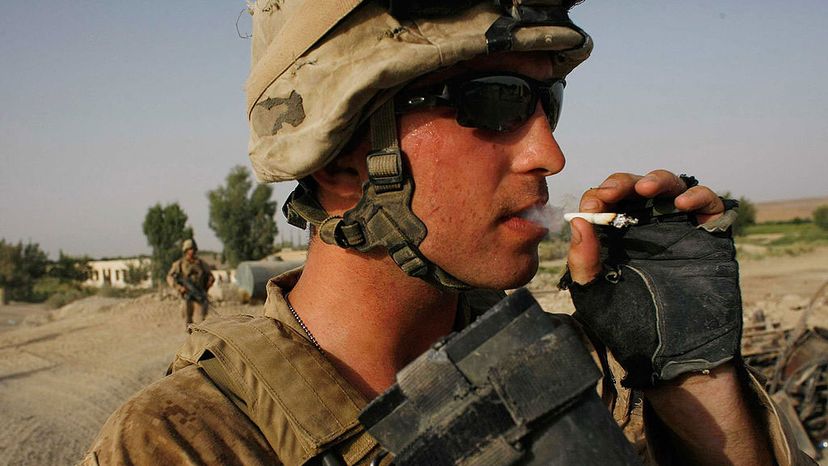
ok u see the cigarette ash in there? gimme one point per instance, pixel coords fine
(603, 218)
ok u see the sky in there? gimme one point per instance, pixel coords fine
(107, 108)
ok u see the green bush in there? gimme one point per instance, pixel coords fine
(27, 274)
(135, 275)
(555, 270)
(780, 239)
(553, 249)
(110, 292)
(20, 267)
(776, 234)
(747, 216)
(821, 217)
(70, 268)
(56, 292)
(63, 298)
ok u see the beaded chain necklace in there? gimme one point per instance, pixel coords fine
(302, 324)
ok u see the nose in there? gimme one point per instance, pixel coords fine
(536, 150)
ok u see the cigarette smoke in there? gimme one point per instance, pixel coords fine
(550, 216)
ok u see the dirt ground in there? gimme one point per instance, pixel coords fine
(62, 372)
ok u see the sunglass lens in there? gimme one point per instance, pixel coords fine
(497, 103)
(552, 100)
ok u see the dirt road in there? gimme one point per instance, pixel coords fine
(63, 372)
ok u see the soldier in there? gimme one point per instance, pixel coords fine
(191, 277)
(421, 133)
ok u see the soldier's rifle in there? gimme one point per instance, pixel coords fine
(192, 292)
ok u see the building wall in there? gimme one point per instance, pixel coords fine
(113, 273)
(224, 276)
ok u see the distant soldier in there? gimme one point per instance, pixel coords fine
(191, 277)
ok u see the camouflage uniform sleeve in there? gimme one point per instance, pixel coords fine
(646, 431)
(175, 269)
(181, 419)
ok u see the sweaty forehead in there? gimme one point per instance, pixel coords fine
(538, 65)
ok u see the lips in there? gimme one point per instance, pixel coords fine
(524, 209)
(527, 220)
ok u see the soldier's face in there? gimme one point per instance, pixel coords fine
(190, 253)
(472, 185)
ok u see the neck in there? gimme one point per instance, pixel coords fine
(370, 318)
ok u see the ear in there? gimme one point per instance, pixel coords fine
(339, 184)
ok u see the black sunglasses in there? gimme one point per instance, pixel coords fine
(494, 101)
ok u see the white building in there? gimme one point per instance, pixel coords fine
(224, 277)
(113, 272)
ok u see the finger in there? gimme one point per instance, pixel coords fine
(660, 183)
(702, 201)
(616, 187)
(584, 259)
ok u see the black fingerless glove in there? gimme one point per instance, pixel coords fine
(668, 300)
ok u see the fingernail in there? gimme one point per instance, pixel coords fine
(576, 235)
(589, 205)
(649, 179)
(609, 184)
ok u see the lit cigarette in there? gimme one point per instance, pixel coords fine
(604, 218)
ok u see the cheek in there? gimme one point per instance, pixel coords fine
(449, 188)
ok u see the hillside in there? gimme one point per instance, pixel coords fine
(780, 211)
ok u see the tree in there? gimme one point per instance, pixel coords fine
(70, 268)
(20, 267)
(821, 217)
(165, 228)
(136, 274)
(241, 219)
(747, 214)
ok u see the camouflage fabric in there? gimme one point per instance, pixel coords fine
(182, 419)
(185, 419)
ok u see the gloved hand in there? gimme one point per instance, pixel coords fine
(667, 301)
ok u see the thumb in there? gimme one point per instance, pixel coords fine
(584, 252)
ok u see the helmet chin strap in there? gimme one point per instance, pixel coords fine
(383, 216)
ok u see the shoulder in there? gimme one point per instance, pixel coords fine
(181, 419)
(175, 265)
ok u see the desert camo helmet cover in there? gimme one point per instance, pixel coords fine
(320, 68)
(188, 244)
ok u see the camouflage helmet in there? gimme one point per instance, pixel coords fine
(316, 77)
(320, 68)
(188, 244)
